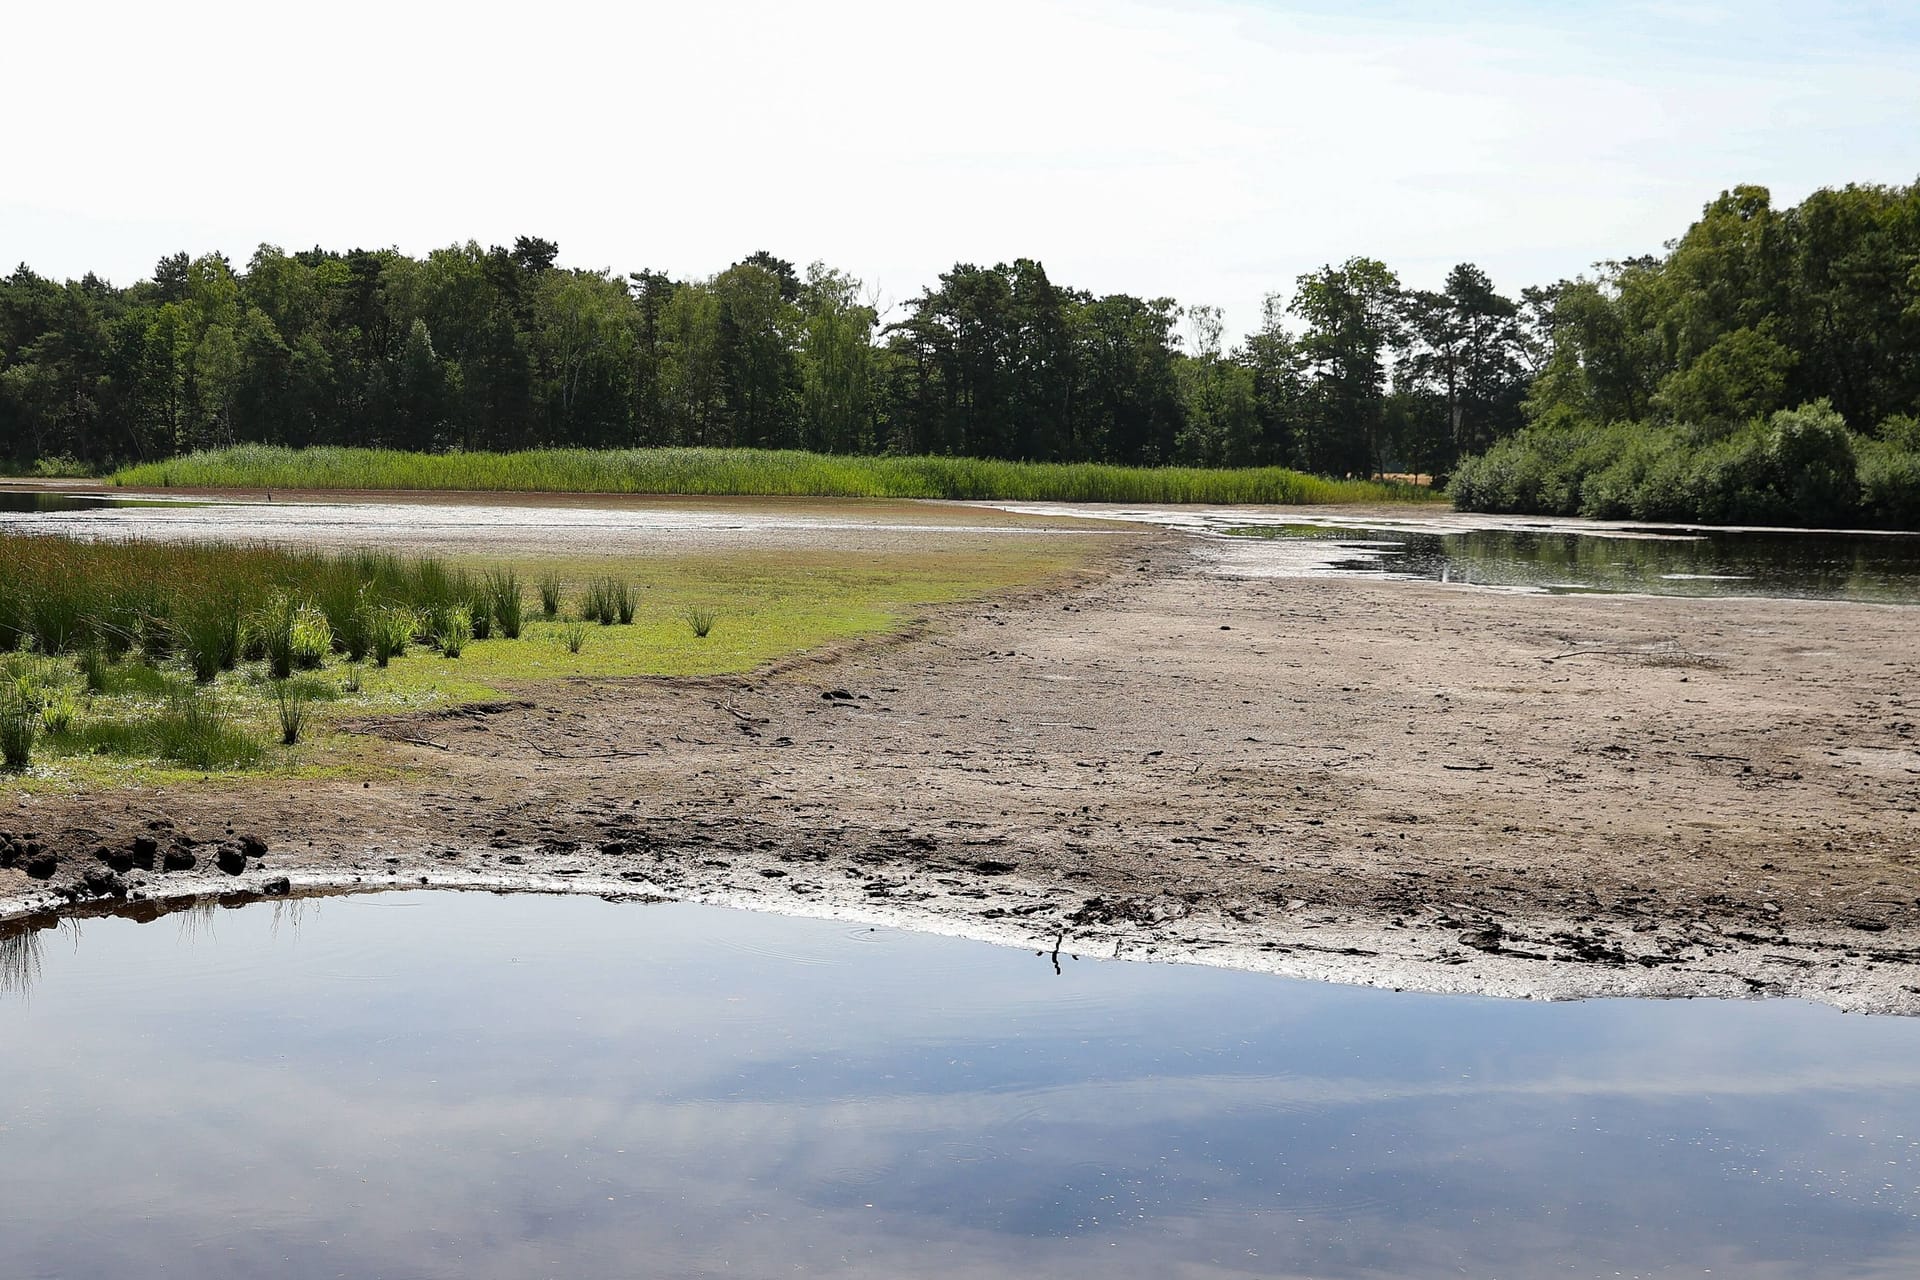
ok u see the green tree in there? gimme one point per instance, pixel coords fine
(837, 362)
(1353, 317)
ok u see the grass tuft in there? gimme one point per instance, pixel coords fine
(270, 635)
(393, 631)
(452, 628)
(94, 668)
(290, 703)
(573, 635)
(311, 637)
(504, 600)
(208, 631)
(18, 725)
(700, 619)
(58, 710)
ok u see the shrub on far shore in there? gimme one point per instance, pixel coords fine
(1794, 467)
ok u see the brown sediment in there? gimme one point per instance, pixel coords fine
(1398, 783)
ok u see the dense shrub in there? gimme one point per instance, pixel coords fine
(1798, 466)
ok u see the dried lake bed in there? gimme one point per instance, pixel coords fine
(1324, 773)
(1249, 753)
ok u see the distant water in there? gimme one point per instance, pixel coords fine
(447, 1085)
(18, 501)
(1827, 566)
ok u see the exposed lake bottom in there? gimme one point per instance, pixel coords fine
(437, 1084)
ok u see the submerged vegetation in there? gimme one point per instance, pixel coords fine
(746, 472)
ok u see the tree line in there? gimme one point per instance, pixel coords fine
(1765, 368)
(503, 348)
(1753, 311)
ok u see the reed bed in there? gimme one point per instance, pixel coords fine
(113, 647)
(749, 472)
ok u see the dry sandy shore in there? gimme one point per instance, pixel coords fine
(1392, 783)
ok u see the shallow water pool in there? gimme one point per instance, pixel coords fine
(461, 1085)
(1882, 568)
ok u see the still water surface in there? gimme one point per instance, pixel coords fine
(467, 1086)
(17, 501)
(1825, 566)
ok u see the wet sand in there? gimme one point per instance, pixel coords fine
(1396, 783)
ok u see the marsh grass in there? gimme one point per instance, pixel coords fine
(94, 668)
(775, 605)
(139, 680)
(452, 628)
(58, 710)
(393, 631)
(505, 603)
(195, 730)
(270, 636)
(596, 603)
(18, 726)
(108, 633)
(290, 704)
(750, 472)
(550, 596)
(700, 619)
(311, 637)
(208, 633)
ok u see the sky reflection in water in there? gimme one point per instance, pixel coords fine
(463, 1085)
(1879, 568)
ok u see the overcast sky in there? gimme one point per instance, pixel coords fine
(1210, 150)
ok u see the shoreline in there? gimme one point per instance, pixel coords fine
(1386, 783)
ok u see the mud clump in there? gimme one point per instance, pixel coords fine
(27, 853)
(15, 850)
(1100, 910)
(103, 882)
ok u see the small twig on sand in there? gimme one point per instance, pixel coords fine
(422, 742)
(552, 754)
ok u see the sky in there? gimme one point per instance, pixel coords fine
(1206, 150)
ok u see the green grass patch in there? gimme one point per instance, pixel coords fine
(145, 720)
(747, 472)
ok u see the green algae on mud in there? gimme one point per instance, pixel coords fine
(748, 472)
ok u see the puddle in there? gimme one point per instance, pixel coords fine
(1883, 568)
(463, 1085)
(15, 501)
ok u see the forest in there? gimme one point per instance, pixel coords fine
(503, 349)
(1765, 365)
